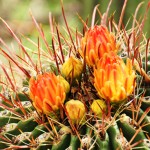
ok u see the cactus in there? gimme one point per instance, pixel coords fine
(84, 92)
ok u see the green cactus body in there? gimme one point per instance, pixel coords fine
(22, 126)
(129, 131)
(74, 143)
(87, 139)
(146, 103)
(103, 101)
(142, 120)
(63, 139)
(116, 140)
(6, 117)
(102, 144)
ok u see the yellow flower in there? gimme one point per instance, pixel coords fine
(99, 107)
(47, 93)
(97, 41)
(72, 68)
(75, 110)
(113, 79)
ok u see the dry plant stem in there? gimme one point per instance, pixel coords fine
(146, 55)
(16, 63)
(10, 66)
(85, 26)
(141, 71)
(55, 55)
(51, 23)
(63, 12)
(42, 35)
(5, 139)
(39, 55)
(23, 61)
(8, 49)
(18, 147)
(19, 42)
(141, 26)
(77, 38)
(135, 15)
(93, 16)
(122, 14)
(53, 127)
(37, 46)
(8, 77)
(105, 15)
(6, 100)
(135, 144)
(60, 45)
(19, 104)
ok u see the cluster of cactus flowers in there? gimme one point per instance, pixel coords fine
(88, 92)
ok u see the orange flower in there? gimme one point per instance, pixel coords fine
(47, 92)
(113, 79)
(96, 42)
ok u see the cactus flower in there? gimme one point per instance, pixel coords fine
(75, 110)
(64, 83)
(97, 41)
(72, 68)
(99, 107)
(113, 79)
(47, 92)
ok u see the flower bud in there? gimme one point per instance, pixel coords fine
(97, 41)
(99, 107)
(113, 79)
(64, 83)
(75, 110)
(47, 93)
(72, 68)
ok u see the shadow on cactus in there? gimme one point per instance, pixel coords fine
(85, 91)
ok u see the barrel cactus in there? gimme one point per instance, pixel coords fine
(87, 92)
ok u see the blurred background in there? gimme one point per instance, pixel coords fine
(17, 14)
